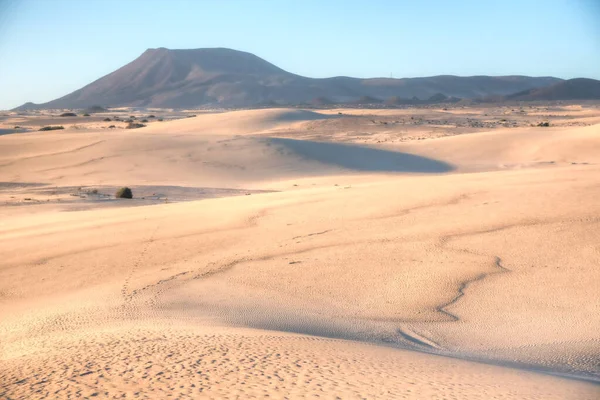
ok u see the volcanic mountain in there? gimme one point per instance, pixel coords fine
(230, 78)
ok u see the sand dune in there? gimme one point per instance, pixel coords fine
(456, 267)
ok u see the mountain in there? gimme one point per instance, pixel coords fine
(572, 89)
(230, 78)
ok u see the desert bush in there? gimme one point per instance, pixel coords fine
(545, 124)
(106, 120)
(112, 127)
(151, 116)
(132, 117)
(134, 125)
(86, 115)
(68, 114)
(95, 109)
(144, 120)
(124, 193)
(160, 120)
(17, 127)
(51, 128)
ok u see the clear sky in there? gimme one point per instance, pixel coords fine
(49, 48)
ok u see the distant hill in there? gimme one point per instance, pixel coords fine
(230, 78)
(572, 89)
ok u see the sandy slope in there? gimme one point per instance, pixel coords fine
(481, 247)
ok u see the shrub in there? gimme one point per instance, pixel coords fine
(68, 114)
(134, 125)
(160, 120)
(51, 128)
(95, 109)
(106, 119)
(86, 115)
(112, 127)
(124, 193)
(144, 120)
(151, 116)
(545, 124)
(17, 127)
(132, 117)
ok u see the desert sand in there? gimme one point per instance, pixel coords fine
(284, 253)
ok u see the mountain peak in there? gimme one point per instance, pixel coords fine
(186, 78)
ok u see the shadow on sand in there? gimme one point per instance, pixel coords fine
(11, 131)
(361, 158)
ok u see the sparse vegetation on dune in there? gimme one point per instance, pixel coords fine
(68, 114)
(134, 125)
(95, 109)
(51, 128)
(106, 119)
(124, 193)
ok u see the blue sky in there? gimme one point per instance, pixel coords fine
(49, 48)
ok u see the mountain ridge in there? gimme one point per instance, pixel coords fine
(222, 77)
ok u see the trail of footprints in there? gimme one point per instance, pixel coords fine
(126, 292)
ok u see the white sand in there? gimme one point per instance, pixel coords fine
(481, 248)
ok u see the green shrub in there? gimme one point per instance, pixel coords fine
(51, 128)
(106, 119)
(545, 124)
(124, 193)
(86, 115)
(144, 120)
(68, 114)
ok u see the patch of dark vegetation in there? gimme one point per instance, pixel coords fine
(51, 128)
(86, 115)
(151, 116)
(544, 124)
(134, 125)
(68, 114)
(124, 193)
(112, 127)
(160, 120)
(95, 109)
(144, 120)
(106, 120)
